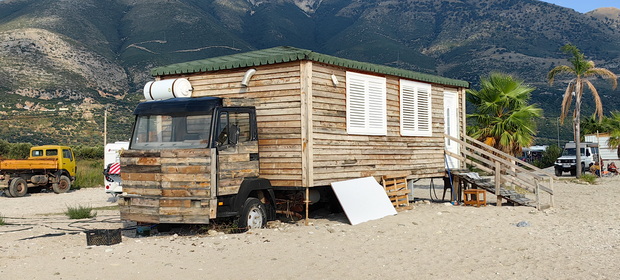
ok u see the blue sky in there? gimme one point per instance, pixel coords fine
(584, 6)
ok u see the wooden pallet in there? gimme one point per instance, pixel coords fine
(397, 191)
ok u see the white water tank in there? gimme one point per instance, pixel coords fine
(165, 89)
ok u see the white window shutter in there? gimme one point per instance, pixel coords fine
(366, 104)
(415, 108)
(424, 111)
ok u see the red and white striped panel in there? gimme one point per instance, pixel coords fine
(115, 168)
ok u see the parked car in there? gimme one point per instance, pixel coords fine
(568, 161)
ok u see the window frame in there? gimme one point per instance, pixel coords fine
(368, 94)
(412, 119)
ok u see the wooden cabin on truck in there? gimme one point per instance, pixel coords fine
(241, 130)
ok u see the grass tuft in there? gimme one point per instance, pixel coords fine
(588, 178)
(2, 221)
(80, 212)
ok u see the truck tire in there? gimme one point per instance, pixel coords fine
(18, 187)
(558, 172)
(63, 185)
(253, 215)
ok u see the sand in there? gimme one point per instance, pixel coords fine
(577, 239)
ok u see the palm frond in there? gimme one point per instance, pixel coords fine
(567, 100)
(597, 100)
(558, 70)
(605, 74)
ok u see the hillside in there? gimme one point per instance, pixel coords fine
(81, 56)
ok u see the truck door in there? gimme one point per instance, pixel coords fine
(237, 148)
(68, 161)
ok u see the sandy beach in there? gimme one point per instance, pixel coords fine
(577, 239)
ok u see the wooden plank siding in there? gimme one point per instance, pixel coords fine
(275, 92)
(234, 164)
(340, 156)
(167, 185)
(301, 115)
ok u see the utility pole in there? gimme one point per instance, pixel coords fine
(558, 125)
(105, 126)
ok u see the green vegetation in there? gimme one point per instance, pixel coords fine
(2, 221)
(502, 117)
(588, 178)
(609, 125)
(549, 156)
(582, 69)
(89, 174)
(80, 212)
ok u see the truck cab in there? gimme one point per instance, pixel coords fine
(567, 162)
(192, 123)
(64, 155)
(191, 160)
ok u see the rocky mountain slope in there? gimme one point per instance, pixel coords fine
(83, 56)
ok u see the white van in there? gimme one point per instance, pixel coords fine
(112, 167)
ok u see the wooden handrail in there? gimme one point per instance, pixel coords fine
(534, 168)
(494, 155)
(503, 166)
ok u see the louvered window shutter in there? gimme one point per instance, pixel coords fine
(415, 109)
(366, 104)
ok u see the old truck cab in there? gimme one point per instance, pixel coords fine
(191, 160)
(63, 154)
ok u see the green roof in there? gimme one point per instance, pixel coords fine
(287, 54)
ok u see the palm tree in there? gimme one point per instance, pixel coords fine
(614, 136)
(614, 141)
(503, 118)
(582, 70)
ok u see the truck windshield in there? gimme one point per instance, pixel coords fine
(171, 132)
(573, 152)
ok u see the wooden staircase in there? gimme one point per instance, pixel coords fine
(488, 185)
(510, 179)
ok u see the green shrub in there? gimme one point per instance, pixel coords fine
(549, 156)
(89, 174)
(80, 212)
(86, 152)
(19, 150)
(4, 148)
(589, 178)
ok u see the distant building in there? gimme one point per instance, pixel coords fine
(607, 154)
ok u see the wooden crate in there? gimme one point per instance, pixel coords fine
(396, 188)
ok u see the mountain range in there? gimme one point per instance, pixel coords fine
(64, 62)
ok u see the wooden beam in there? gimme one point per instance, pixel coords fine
(307, 176)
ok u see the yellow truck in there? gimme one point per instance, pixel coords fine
(49, 166)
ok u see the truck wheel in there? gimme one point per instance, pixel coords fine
(63, 185)
(253, 214)
(18, 187)
(558, 172)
